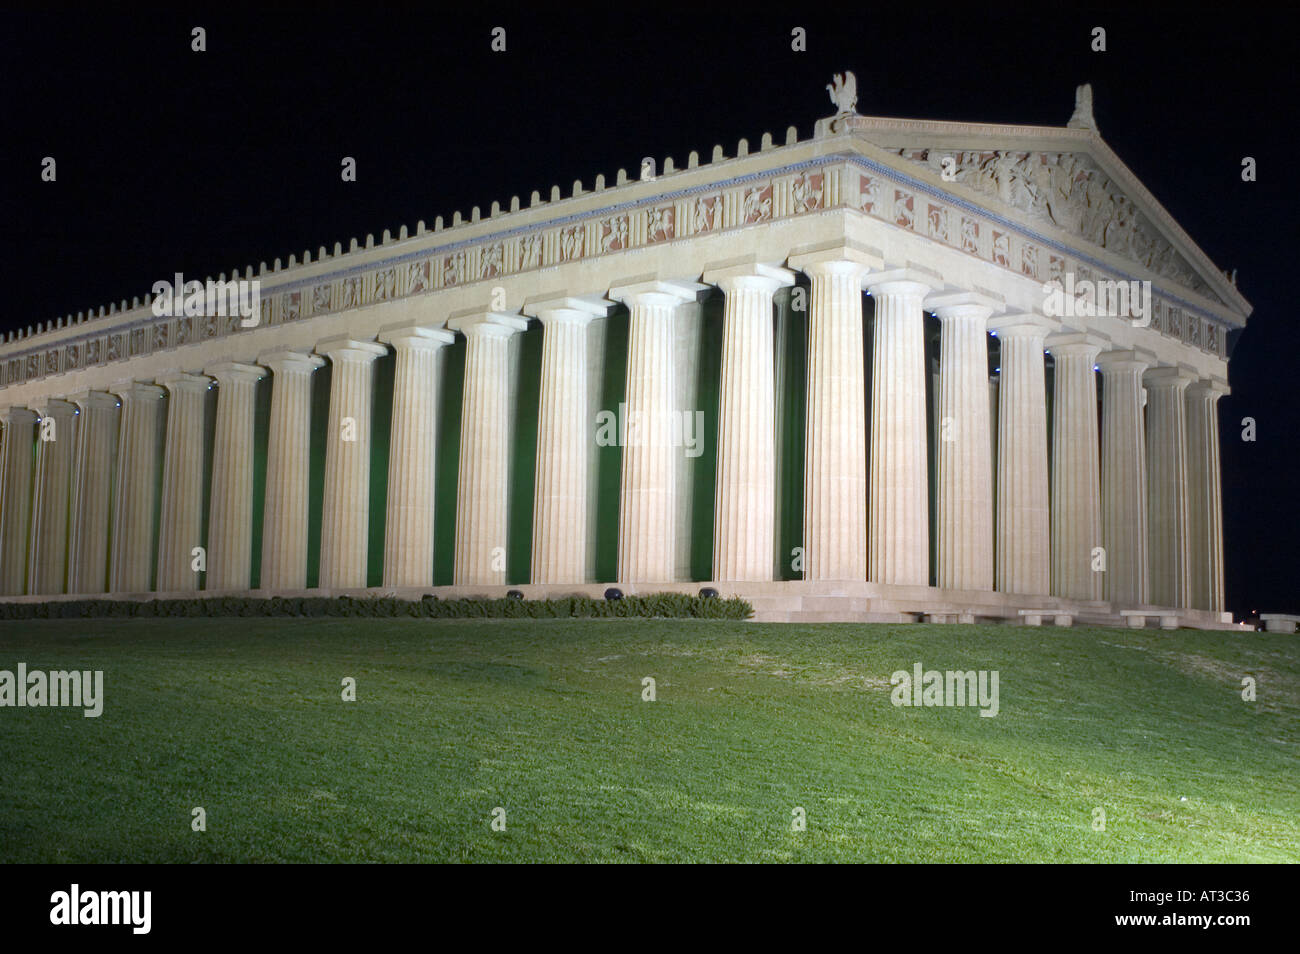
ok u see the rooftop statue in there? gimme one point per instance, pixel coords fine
(844, 92)
(1082, 118)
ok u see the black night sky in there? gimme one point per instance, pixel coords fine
(171, 160)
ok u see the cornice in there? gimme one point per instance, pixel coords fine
(1019, 138)
(813, 177)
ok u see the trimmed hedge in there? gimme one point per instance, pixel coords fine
(670, 605)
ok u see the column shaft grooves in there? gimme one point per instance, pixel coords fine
(1124, 481)
(288, 462)
(1024, 530)
(1167, 499)
(92, 493)
(140, 439)
(899, 500)
(559, 552)
(744, 539)
(180, 522)
(965, 466)
(17, 458)
(409, 527)
(1076, 479)
(1205, 497)
(835, 478)
(230, 521)
(482, 498)
(51, 499)
(647, 518)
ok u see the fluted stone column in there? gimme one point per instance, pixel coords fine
(1206, 497)
(835, 449)
(1167, 488)
(483, 479)
(230, 511)
(139, 449)
(56, 441)
(744, 529)
(345, 514)
(1024, 558)
(408, 526)
(18, 460)
(286, 515)
(92, 491)
(180, 521)
(1124, 479)
(1076, 468)
(965, 465)
(899, 526)
(648, 493)
(559, 551)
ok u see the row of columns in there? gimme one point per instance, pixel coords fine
(1130, 512)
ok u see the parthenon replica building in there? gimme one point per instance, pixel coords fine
(870, 375)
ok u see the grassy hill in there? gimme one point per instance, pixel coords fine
(545, 719)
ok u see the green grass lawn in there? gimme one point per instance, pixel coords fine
(545, 719)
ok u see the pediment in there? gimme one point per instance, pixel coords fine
(1065, 179)
(1071, 192)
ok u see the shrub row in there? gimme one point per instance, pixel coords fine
(671, 605)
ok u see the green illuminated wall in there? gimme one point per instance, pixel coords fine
(790, 343)
(526, 373)
(380, 429)
(451, 374)
(607, 341)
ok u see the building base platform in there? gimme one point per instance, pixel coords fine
(795, 601)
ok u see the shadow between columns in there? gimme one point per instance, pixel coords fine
(261, 441)
(933, 335)
(704, 469)
(609, 459)
(526, 391)
(381, 426)
(451, 383)
(320, 412)
(791, 338)
(209, 449)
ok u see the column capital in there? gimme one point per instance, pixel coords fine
(1022, 324)
(964, 304)
(342, 348)
(1214, 387)
(224, 371)
(89, 399)
(416, 337)
(1168, 376)
(481, 323)
(175, 381)
(560, 306)
(1125, 360)
(754, 274)
(282, 360)
(141, 390)
(17, 415)
(837, 257)
(912, 279)
(1065, 342)
(55, 407)
(654, 291)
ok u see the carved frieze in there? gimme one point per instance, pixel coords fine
(1061, 189)
(1071, 192)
